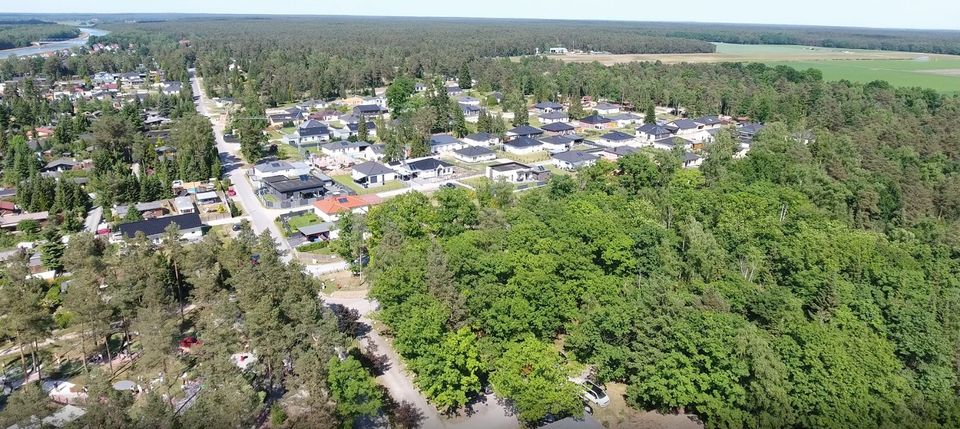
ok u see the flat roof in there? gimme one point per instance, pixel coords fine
(509, 166)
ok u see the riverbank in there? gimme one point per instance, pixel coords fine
(85, 34)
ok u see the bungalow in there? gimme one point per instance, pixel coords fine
(419, 87)
(554, 117)
(524, 131)
(548, 107)
(352, 130)
(329, 209)
(523, 146)
(283, 192)
(373, 152)
(350, 118)
(468, 100)
(369, 110)
(344, 148)
(318, 231)
(684, 126)
(469, 110)
(171, 88)
(372, 174)
(293, 114)
(595, 121)
(615, 153)
(12, 220)
(748, 131)
(454, 90)
(691, 160)
(624, 119)
(574, 159)
(671, 142)
(473, 154)
(603, 108)
(482, 139)
(444, 143)
(147, 210)
(554, 144)
(191, 228)
(59, 165)
(515, 172)
(325, 115)
(559, 128)
(184, 204)
(709, 122)
(616, 138)
(648, 133)
(425, 168)
(310, 133)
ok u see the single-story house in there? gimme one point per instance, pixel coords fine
(553, 117)
(559, 128)
(596, 122)
(691, 160)
(523, 146)
(625, 119)
(474, 154)
(373, 152)
(548, 107)
(469, 110)
(606, 108)
(353, 130)
(684, 126)
(283, 192)
(647, 133)
(325, 115)
(709, 122)
(454, 90)
(170, 88)
(419, 87)
(344, 148)
(554, 144)
(184, 204)
(524, 131)
(468, 100)
(615, 153)
(208, 198)
(293, 114)
(147, 210)
(311, 131)
(371, 174)
(369, 110)
(616, 138)
(329, 209)
(482, 139)
(671, 142)
(191, 228)
(444, 143)
(424, 168)
(515, 172)
(573, 159)
(749, 130)
(59, 165)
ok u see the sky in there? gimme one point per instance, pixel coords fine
(920, 14)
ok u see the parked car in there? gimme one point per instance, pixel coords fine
(231, 192)
(595, 394)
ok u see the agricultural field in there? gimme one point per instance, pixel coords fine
(939, 72)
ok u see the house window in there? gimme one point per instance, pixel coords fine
(373, 179)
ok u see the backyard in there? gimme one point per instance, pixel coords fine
(347, 181)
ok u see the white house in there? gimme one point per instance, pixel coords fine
(482, 139)
(554, 144)
(606, 108)
(473, 154)
(515, 172)
(191, 228)
(624, 120)
(523, 146)
(468, 100)
(344, 148)
(423, 168)
(371, 174)
(616, 138)
(444, 143)
(574, 159)
(559, 128)
(691, 160)
(709, 122)
(548, 107)
(552, 117)
(648, 133)
(524, 131)
(373, 152)
(278, 168)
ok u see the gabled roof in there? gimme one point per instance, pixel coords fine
(653, 129)
(606, 106)
(621, 150)
(558, 127)
(480, 137)
(522, 142)
(371, 168)
(555, 115)
(345, 144)
(574, 156)
(158, 225)
(443, 139)
(685, 124)
(472, 151)
(427, 164)
(369, 108)
(617, 136)
(688, 157)
(553, 140)
(313, 128)
(595, 119)
(342, 203)
(354, 127)
(526, 130)
(750, 128)
(60, 162)
(707, 120)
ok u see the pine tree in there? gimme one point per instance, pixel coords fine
(362, 132)
(52, 250)
(483, 122)
(651, 115)
(459, 122)
(576, 108)
(464, 80)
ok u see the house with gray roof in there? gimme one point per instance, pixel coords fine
(647, 133)
(372, 174)
(444, 143)
(554, 144)
(616, 138)
(473, 154)
(524, 131)
(482, 139)
(573, 159)
(548, 107)
(553, 117)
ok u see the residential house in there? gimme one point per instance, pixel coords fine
(559, 128)
(691, 160)
(12, 220)
(444, 143)
(147, 210)
(554, 144)
(709, 122)
(596, 122)
(325, 115)
(419, 87)
(749, 130)
(344, 148)
(671, 142)
(368, 110)
(624, 120)
(8, 208)
(283, 192)
(616, 138)
(454, 90)
(523, 146)
(271, 168)
(548, 107)
(469, 110)
(524, 131)
(423, 168)
(603, 108)
(482, 139)
(468, 100)
(573, 159)
(309, 134)
(319, 231)
(103, 77)
(684, 126)
(373, 152)
(473, 154)
(184, 204)
(331, 208)
(59, 165)
(515, 172)
(293, 115)
(171, 88)
(496, 96)
(554, 117)
(191, 228)
(614, 153)
(648, 133)
(372, 174)
(353, 130)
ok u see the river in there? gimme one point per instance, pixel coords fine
(56, 46)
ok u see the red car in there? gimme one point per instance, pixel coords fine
(231, 192)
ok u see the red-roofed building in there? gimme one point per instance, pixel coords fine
(8, 207)
(329, 209)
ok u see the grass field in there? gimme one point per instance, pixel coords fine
(347, 181)
(939, 72)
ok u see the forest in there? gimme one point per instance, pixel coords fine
(18, 35)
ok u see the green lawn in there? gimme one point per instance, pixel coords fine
(303, 220)
(346, 180)
(533, 157)
(936, 73)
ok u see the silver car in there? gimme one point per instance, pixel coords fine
(595, 394)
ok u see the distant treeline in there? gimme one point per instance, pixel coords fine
(20, 35)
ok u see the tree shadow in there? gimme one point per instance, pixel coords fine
(402, 414)
(348, 321)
